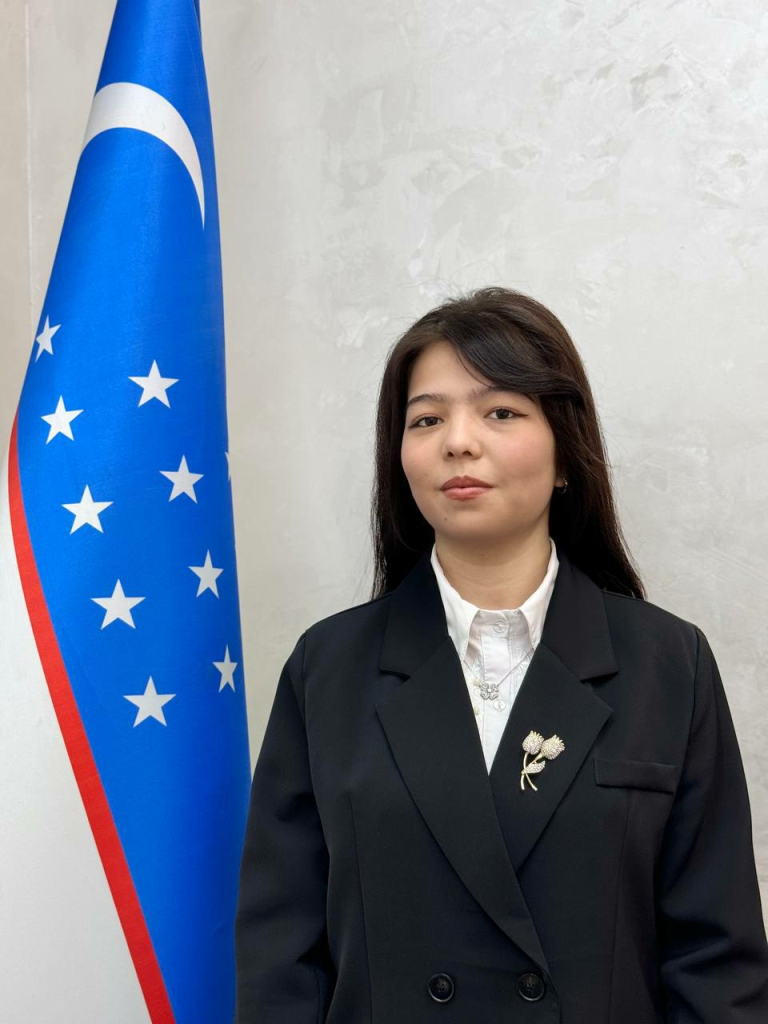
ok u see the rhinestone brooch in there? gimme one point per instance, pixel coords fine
(535, 744)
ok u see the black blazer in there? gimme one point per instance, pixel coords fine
(388, 878)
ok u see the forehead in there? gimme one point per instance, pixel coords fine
(438, 375)
(475, 393)
(438, 367)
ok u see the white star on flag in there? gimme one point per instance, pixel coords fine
(154, 386)
(150, 703)
(208, 574)
(60, 419)
(183, 479)
(227, 669)
(86, 511)
(44, 338)
(118, 606)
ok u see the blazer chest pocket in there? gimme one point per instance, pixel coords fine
(622, 771)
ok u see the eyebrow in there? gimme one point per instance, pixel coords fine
(475, 393)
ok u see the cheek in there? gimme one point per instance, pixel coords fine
(406, 459)
(415, 461)
(528, 454)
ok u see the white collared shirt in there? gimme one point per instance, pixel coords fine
(495, 646)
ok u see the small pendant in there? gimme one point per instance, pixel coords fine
(489, 691)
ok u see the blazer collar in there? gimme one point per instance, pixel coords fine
(484, 822)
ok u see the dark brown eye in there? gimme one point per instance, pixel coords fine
(512, 416)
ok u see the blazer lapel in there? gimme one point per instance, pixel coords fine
(485, 823)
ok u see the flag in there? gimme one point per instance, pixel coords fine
(124, 761)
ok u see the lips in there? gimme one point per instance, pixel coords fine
(464, 481)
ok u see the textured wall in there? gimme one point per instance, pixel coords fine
(14, 253)
(608, 158)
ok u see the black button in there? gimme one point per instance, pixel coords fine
(441, 987)
(530, 986)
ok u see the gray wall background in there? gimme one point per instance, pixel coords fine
(608, 158)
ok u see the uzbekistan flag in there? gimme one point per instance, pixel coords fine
(124, 762)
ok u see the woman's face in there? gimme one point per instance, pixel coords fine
(501, 437)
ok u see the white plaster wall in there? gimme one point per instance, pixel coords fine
(14, 204)
(608, 158)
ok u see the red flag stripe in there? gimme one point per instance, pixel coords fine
(81, 758)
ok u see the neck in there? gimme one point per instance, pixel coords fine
(495, 576)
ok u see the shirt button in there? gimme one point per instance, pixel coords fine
(499, 627)
(499, 705)
(477, 711)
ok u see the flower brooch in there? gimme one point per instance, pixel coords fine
(534, 743)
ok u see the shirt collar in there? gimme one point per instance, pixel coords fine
(462, 616)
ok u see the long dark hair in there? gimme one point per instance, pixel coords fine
(515, 341)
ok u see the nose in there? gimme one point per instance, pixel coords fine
(459, 437)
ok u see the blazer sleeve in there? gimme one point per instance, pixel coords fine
(713, 953)
(284, 972)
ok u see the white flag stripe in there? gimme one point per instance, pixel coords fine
(55, 905)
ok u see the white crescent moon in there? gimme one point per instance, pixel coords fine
(127, 105)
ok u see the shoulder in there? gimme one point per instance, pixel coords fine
(359, 624)
(641, 610)
(331, 641)
(635, 619)
(353, 615)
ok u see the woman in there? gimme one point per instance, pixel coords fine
(508, 787)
